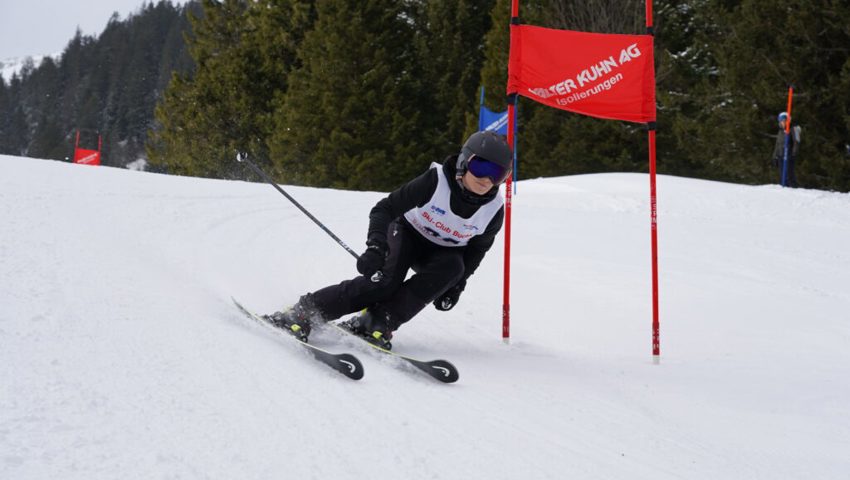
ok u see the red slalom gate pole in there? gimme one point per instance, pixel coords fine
(506, 300)
(506, 294)
(653, 206)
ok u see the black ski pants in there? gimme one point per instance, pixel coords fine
(399, 298)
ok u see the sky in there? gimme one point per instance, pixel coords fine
(44, 27)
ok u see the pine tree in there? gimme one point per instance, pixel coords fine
(243, 52)
(45, 100)
(6, 109)
(450, 51)
(347, 119)
(49, 141)
(494, 71)
(14, 131)
(686, 77)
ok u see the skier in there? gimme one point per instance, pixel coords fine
(779, 151)
(440, 224)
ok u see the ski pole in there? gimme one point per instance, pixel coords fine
(242, 157)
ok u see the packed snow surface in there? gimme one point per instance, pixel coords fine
(122, 356)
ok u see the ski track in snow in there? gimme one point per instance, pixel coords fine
(121, 354)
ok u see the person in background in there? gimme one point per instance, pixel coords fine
(779, 151)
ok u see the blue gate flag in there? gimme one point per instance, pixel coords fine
(496, 121)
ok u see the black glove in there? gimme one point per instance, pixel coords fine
(371, 260)
(446, 301)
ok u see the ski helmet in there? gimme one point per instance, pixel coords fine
(486, 154)
(782, 117)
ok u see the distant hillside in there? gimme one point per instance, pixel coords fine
(108, 84)
(11, 66)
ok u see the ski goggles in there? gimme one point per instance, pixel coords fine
(482, 168)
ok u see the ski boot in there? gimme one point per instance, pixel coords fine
(295, 320)
(372, 327)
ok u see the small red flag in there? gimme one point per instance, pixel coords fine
(597, 74)
(86, 157)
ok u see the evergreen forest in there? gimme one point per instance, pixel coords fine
(107, 85)
(366, 94)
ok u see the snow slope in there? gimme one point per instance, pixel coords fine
(121, 355)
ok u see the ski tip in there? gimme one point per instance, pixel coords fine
(238, 305)
(443, 371)
(349, 366)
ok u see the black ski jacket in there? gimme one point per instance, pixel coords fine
(417, 192)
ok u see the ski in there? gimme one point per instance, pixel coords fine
(440, 370)
(344, 363)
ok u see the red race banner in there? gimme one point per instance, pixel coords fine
(86, 157)
(597, 74)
